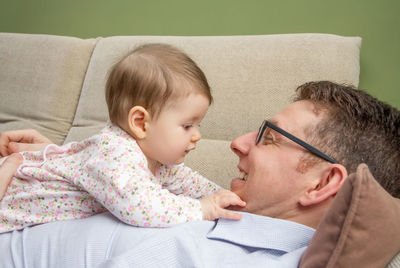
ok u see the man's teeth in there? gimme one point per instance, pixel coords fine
(243, 176)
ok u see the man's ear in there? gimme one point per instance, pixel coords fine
(331, 179)
(138, 119)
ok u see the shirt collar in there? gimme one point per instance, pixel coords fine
(263, 232)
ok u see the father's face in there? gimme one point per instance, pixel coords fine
(275, 180)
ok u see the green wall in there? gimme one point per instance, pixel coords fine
(374, 20)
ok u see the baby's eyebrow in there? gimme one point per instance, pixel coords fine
(192, 119)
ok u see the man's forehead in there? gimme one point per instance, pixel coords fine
(300, 109)
(297, 115)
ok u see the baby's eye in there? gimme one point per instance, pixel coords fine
(187, 126)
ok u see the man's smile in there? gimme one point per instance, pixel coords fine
(243, 175)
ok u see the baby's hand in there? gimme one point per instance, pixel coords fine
(213, 207)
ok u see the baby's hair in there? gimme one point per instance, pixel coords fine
(148, 77)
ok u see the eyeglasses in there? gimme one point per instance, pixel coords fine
(302, 143)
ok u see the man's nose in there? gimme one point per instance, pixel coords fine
(241, 145)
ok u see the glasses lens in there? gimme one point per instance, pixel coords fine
(260, 132)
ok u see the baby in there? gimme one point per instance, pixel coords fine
(156, 96)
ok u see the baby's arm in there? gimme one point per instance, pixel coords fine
(136, 199)
(122, 183)
(180, 179)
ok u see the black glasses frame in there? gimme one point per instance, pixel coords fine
(300, 142)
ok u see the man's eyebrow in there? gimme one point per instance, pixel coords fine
(273, 121)
(277, 135)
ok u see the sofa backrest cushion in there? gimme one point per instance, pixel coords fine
(252, 78)
(41, 77)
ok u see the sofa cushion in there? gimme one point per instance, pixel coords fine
(41, 78)
(360, 229)
(252, 78)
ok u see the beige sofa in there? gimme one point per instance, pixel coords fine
(55, 84)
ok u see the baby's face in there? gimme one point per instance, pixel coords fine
(171, 136)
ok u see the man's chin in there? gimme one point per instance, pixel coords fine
(237, 184)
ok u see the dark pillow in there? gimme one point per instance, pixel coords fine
(360, 229)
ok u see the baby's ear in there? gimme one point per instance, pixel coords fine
(327, 185)
(138, 118)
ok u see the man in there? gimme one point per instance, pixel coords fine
(287, 185)
(7, 169)
(16, 141)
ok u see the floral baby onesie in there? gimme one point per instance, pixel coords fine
(107, 171)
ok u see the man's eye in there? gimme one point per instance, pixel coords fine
(267, 139)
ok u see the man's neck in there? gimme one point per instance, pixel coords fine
(311, 216)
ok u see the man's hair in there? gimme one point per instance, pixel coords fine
(151, 76)
(356, 128)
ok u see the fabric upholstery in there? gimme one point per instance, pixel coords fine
(252, 78)
(41, 78)
(361, 228)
